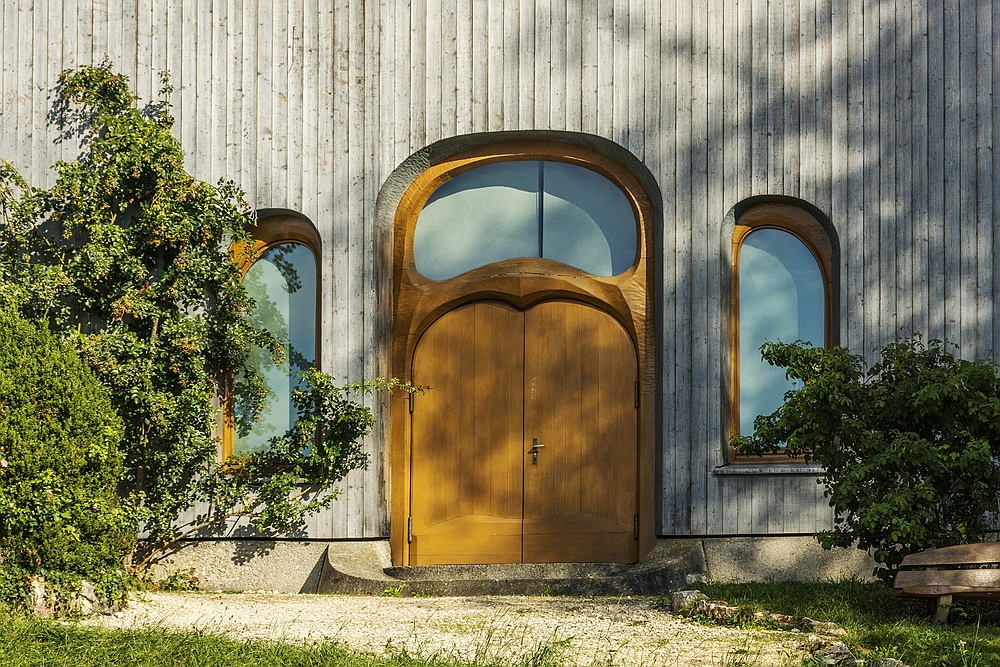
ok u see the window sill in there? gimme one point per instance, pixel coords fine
(812, 469)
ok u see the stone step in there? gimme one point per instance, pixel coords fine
(668, 566)
(509, 571)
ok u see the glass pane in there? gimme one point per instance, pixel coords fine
(283, 285)
(494, 212)
(587, 221)
(781, 298)
(481, 216)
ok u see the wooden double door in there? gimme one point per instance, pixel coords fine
(524, 444)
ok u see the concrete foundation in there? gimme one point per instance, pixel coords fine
(744, 559)
(268, 565)
(365, 566)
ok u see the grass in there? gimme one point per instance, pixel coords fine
(747, 655)
(26, 642)
(878, 623)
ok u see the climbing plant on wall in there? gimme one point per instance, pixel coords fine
(128, 256)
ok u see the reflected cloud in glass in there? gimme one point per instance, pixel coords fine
(780, 299)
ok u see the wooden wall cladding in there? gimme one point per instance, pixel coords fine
(881, 115)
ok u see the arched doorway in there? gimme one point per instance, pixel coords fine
(521, 305)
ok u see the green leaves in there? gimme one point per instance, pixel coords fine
(61, 462)
(128, 257)
(910, 446)
(278, 487)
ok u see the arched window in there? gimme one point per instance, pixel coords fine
(281, 274)
(525, 208)
(782, 291)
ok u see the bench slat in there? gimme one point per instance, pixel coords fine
(949, 578)
(960, 554)
(956, 591)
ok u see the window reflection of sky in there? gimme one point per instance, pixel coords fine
(589, 223)
(494, 212)
(282, 283)
(780, 299)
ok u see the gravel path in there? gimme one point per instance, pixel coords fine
(583, 631)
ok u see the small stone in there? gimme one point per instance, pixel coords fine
(82, 605)
(42, 603)
(834, 653)
(784, 619)
(86, 601)
(716, 610)
(88, 592)
(695, 579)
(825, 627)
(884, 662)
(682, 600)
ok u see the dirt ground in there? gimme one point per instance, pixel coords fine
(579, 631)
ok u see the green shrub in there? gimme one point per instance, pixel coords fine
(130, 256)
(59, 467)
(910, 446)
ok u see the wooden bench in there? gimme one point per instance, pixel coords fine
(962, 571)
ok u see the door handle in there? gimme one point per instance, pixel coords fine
(535, 446)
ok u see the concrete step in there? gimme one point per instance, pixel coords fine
(669, 566)
(510, 571)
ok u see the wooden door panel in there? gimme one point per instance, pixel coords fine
(576, 538)
(497, 377)
(471, 539)
(554, 373)
(580, 374)
(466, 483)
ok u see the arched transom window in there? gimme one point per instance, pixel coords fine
(525, 208)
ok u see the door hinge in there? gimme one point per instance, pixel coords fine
(636, 394)
(635, 526)
(411, 403)
(409, 529)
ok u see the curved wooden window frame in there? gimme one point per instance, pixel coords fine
(801, 224)
(522, 282)
(268, 233)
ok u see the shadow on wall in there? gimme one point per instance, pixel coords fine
(800, 558)
(889, 134)
(878, 113)
(247, 565)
